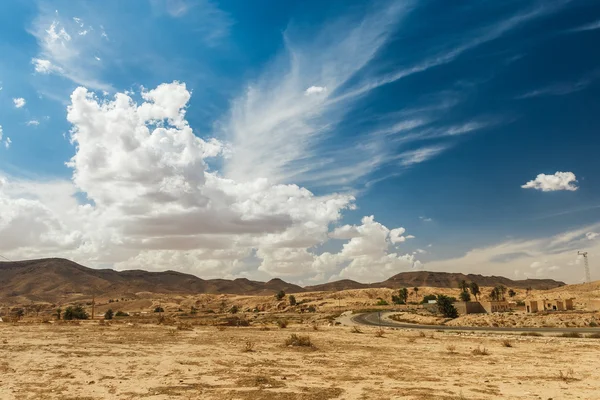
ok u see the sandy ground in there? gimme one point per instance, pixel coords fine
(121, 361)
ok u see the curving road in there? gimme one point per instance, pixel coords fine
(373, 319)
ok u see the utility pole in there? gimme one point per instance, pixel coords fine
(588, 278)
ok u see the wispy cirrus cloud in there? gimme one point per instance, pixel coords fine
(282, 126)
(592, 26)
(563, 88)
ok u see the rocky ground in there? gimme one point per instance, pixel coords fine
(127, 360)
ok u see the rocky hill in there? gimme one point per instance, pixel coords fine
(60, 280)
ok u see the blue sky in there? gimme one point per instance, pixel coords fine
(258, 138)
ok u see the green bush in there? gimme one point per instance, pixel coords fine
(298, 340)
(381, 302)
(159, 309)
(75, 312)
(445, 306)
(109, 314)
(280, 295)
(465, 296)
(121, 314)
(292, 300)
(311, 309)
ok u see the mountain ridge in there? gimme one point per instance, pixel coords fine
(55, 279)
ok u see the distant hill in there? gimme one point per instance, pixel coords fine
(60, 280)
(451, 280)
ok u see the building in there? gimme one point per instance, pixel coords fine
(481, 307)
(536, 305)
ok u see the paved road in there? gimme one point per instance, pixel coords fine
(373, 320)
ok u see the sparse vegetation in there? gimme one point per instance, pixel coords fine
(75, 312)
(451, 348)
(536, 334)
(465, 296)
(480, 351)
(121, 314)
(428, 297)
(298, 341)
(234, 309)
(379, 332)
(474, 288)
(292, 300)
(109, 314)
(593, 324)
(159, 309)
(571, 335)
(311, 309)
(567, 376)
(315, 326)
(595, 335)
(506, 343)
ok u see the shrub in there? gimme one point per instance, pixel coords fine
(159, 309)
(234, 309)
(75, 312)
(479, 351)
(445, 307)
(379, 332)
(248, 347)
(121, 314)
(18, 313)
(311, 309)
(280, 295)
(593, 324)
(185, 326)
(566, 376)
(507, 343)
(292, 300)
(537, 334)
(571, 335)
(282, 323)
(451, 348)
(298, 341)
(381, 302)
(109, 314)
(58, 313)
(594, 335)
(315, 326)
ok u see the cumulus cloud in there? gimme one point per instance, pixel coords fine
(33, 122)
(551, 183)
(19, 102)
(150, 201)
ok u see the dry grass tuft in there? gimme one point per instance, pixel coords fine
(571, 335)
(535, 334)
(480, 351)
(506, 343)
(379, 332)
(421, 334)
(185, 326)
(315, 326)
(248, 347)
(221, 327)
(451, 348)
(299, 341)
(282, 323)
(567, 376)
(356, 329)
(264, 327)
(594, 335)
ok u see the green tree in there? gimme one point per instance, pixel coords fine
(474, 289)
(416, 292)
(462, 285)
(512, 293)
(465, 296)
(58, 313)
(292, 300)
(403, 294)
(280, 295)
(19, 313)
(428, 297)
(445, 306)
(109, 314)
(75, 312)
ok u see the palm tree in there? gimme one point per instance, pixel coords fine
(416, 292)
(462, 285)
(404, 294)
(474, 289)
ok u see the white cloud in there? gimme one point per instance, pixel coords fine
(550, 183)
(417, 156)
(592, 26)
(425, 219)
(33, 122)
(67, 50)
(592, 235)
(314, 90)
(552, 257)
(7, 142)
(19, 102)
